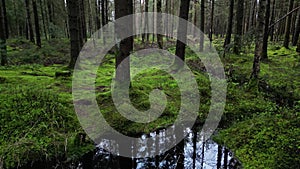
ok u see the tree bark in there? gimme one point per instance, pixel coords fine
(37, 24)
(3, 50)
(5, 19)
(239, 27)
(202, 22)
(288, 26)
(124, 8)
(259, 39)
(211, 20)
(43, 19)
(182, 29)
(266, 31)
(229, 26)
(271, 31)
(159, 25)
(73, 10)
(31, 36)
(219, 158)
(146, 24)
(297, 30)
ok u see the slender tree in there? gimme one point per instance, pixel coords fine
(229, 25)
(239, 27)
(5, 19)
(146, 24)
(211, 20)
(3, 51)
(297, 30)
(288, 26)
(37, 24)
(29, 24)
(159, 25)
(266, 31)
(259, 39)
(219, 156)
(73, 10)
(202, 22)
(272, 20)
(43, 18)
(182, 29)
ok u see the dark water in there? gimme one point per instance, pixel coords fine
(190, 153)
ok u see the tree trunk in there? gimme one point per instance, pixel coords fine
(37, 24)
(182, 29)
(5, 19)
(29, 24)
(266, 31)
(3, 50)
(272, 21)
(202, 22)
(259, 39)
(146, 24)
(43, 19)
(297, 30)
(211, 20)
(73, 9)
(239, 27)
(288, 26)
(229, 26)
(83, 21)
(124, 8)
(159, 25)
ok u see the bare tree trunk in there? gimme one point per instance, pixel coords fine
(37, 24)
(124, 8)
(159, 26)
(225, 158)
(146, 24)
(211, 20)
(266, 31)
(239, 27)
(288, 26)
(3, 50)
(31, 36)
(259, 39)
(202, 22)
(182, 29)
(229, 26)
(5, 19)
(73, 10)
(272, 21)
(297, 30)
(219, 158)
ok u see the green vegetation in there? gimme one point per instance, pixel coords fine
(38, 122)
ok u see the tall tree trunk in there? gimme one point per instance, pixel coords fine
(211, 20)
(259, 39)
(229, 25)
(37, 24)
(124, 8)
(146, 24)
(202, 22)
(43, 19)
(182, 29)
(97, 9)
(3, 50)
(272, 21)
(297, 30)
(73, 10)
(266, 31)
(83, 21)
(159, 25)
(239, 27)
(5, 19)
(29, 24)
(202, 153)
(288, 26)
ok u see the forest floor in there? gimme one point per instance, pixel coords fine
(38, 122)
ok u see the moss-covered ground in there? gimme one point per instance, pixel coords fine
(38, 122)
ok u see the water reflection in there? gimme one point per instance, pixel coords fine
(190, 153)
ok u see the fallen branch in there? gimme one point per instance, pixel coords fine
(288, 14)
